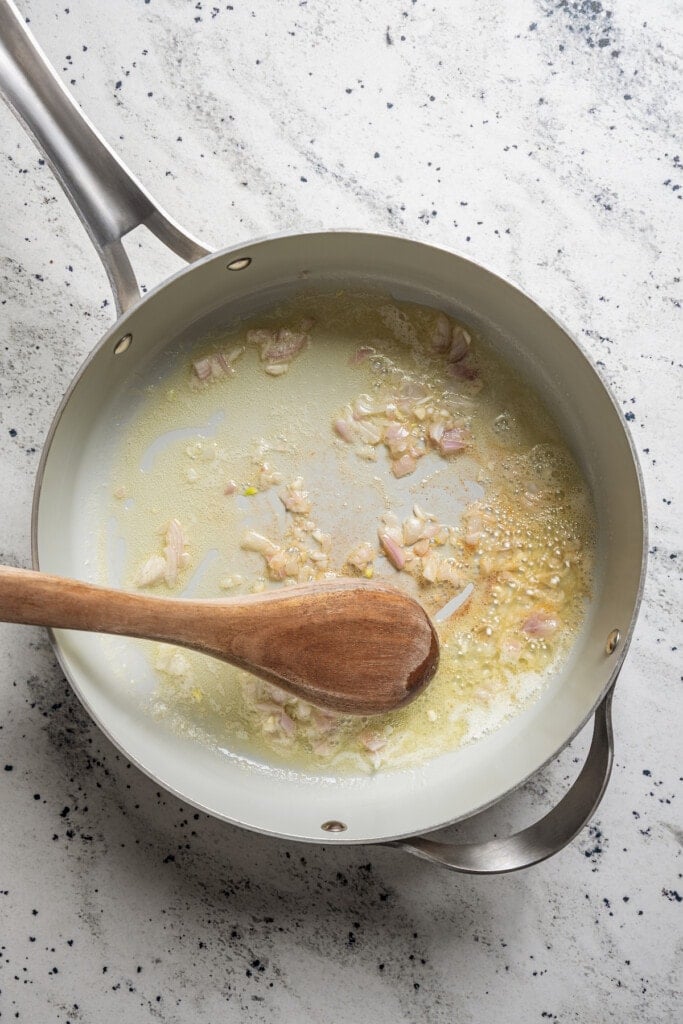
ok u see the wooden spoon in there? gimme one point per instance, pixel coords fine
(352, 646)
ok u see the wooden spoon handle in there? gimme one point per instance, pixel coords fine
(39, 599)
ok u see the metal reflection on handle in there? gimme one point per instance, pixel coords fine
(107, 198)
(547, 836)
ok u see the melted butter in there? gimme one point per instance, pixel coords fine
(519, 516)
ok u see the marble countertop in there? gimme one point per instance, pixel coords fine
(539, 137)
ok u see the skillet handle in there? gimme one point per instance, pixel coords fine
(545, 837)
(109, 201)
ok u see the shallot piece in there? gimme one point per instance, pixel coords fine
(218, 365)
(394, 553)
(202, 368)
(430, 568)
(283, 346)
(167, 565)
(277, 565)
(412, 530)
(253, 541)
(373, 741)
(361, 556)
(420, 513)
(395, 438)
(286, 723)
(323, 539)
(421, 547)
(174, 552)
(345, 430)
(153, 571)
(230, 488)
(436, 431)
(441, 337)
(453, 440)
(360, 355)
(404, 466)
(364, 406)
(460, 344)
(540, 625)
(368, 433)
(295, 498)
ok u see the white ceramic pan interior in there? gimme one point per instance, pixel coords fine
(78, 468)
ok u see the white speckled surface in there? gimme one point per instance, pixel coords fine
(539, 137)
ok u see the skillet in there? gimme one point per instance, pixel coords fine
(215, 289)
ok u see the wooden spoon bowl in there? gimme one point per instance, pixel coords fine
(353, 646)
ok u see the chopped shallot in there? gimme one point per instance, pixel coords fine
(369, 433)
(394, 553)
(403, 466)
(373, 741)
(365, 406)
(395, 437)
(430, 568)
(295, 499)
(452, 440)
(361, 556)
(202, 368)
(253, 541)
(412, 530)
(323, 539)
(282, 346)
(460, 344)
(218, 365)
(540, 625)
(421, 514)
(174, 552)
(436, 431)
(441, 338)
(360, 355)
(345, 430)
(421, 547)
(167, 566)
(153, 571)
(286, 723)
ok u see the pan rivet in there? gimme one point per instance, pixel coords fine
(123, 344)
(612, 641)
(240, 264)
(334, 826)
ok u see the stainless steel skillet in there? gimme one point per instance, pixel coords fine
(394, 806)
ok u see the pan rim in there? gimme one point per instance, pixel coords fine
(119, 325)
